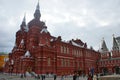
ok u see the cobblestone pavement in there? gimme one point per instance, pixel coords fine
(16, 77)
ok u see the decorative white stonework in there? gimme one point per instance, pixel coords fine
(6, 59)
(27, 54)
(44, 30)
(22, 41)
(75, 44)
(12, 62)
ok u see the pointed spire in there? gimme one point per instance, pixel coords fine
(38, 7)
(103, 46)
(24, 19)
(115, 44)
(37, 13)
(23, 25)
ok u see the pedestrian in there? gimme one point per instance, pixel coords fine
(62, 77)
(74, 77)
(89, 77)
(24, 75)
(42, 77)
(77, 77)
(21, 76)
(38, 76)
(55, 77)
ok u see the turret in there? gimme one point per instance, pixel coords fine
(105, 54)
(35, 26)
(115, 48)
(21, 34)
(103, 48)
(115, 44)
(37, 13)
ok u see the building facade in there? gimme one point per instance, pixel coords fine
(110, 60)
(36, 50)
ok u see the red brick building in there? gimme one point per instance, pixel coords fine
(110, 60)
(36, 50)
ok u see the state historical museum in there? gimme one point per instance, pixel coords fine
(36, 50)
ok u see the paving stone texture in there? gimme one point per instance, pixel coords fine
(17, 77)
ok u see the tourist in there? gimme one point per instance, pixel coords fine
(62, 77)
(55, 77)
(77, 77)
(21, 76)
(42, 77)
(38, 76)
(74, 77)
(89, 77)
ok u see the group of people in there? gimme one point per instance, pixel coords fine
(43, 77)
(75, 77)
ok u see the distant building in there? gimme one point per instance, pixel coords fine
(3, 59)
(110, 60)
(36, 50)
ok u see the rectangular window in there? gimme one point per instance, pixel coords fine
(61, 49)
(62, 62)
(67, 50)
(49, 61)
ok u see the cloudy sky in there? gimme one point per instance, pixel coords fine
(88, 20)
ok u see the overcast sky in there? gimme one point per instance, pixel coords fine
(88, 20)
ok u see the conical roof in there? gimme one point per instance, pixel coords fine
(115, 44)
(103, 46)
(37, 13)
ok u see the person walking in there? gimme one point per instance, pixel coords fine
(74, 77)
(55, 77)
(62, 77)
(89, 77)
(42, 77)
(77, 77)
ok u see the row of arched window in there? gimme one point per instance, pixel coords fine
(75, 52)
(64, 49)
(65, 63)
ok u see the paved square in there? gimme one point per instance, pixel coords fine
(17, 77)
